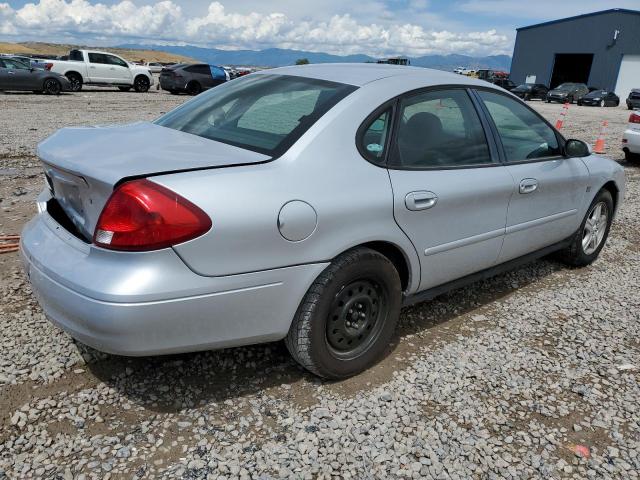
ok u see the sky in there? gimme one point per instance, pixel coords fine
(374, 27)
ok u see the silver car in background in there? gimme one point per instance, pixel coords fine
(307, 204)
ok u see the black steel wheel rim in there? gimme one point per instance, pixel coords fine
(356, 317)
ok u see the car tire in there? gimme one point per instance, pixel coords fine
(75, 80)
(603, 103)
(631, 157)
(51, 86)
(548, 101)
(194, 88)
(348, 316)
(124, 89)
(141, 84)
(580, 252)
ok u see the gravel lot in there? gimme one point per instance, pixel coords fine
(532, 374)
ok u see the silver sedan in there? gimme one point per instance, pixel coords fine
(307, 204)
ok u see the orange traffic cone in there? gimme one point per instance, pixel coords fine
(563, 113)
(599, 146)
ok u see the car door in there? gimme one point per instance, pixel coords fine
(99, 68)
(450, 191)
(119, 70)
(549, 187)
(19, 76)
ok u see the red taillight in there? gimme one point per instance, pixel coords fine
(142, 215)
(48, 66)
(634, 118)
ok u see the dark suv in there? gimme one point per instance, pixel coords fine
(567, 92)
(529, 91)
(633, 100)
(191, 78)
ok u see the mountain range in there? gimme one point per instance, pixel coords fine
(279, 57)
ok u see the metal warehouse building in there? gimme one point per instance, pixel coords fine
(601, 49)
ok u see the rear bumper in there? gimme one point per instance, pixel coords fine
(151, 303)
(631, 140)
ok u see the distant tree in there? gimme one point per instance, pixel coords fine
(302, 61)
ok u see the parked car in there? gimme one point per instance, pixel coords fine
(633, 100)
(504, 83)
(275, 206)
(631, 138)
(155, 67)
(529, 91)
(89, 67)
(17, 75)
(600, 98)
(191, 78)
(30, 62)
(567, 92)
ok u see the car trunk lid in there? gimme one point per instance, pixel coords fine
(83, 165)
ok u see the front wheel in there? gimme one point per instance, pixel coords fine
(631, 157)
(592, 235)
(141, 84)
(347, 318)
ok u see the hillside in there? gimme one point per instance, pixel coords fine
(131, 54)
(277, 57)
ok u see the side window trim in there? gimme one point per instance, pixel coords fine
(561, 140)
(493, 148)
(364, 126)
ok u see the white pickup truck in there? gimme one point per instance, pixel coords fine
(88, 67)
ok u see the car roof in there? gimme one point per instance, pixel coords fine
(359, 74)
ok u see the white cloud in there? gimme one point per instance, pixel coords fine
(543, 10)
(166, 22)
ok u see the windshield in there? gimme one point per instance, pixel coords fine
(566, 86)
(525, 86)
(264, 113)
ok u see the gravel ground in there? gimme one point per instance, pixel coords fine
(532, 374)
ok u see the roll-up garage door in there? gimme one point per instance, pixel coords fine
(629, 75)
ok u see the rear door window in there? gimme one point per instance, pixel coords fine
(440, 129)
(375, 137)
(98, 58)
(524, 135)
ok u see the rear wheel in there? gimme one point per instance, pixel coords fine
(194, 88)
(52, 86)
(347, 318)
(592, 235)
(76, 82)
(141, 84)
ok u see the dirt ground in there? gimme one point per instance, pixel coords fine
(67, 411)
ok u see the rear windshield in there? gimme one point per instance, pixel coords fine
(264, 113)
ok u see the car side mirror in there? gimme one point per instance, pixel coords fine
(576, 148)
